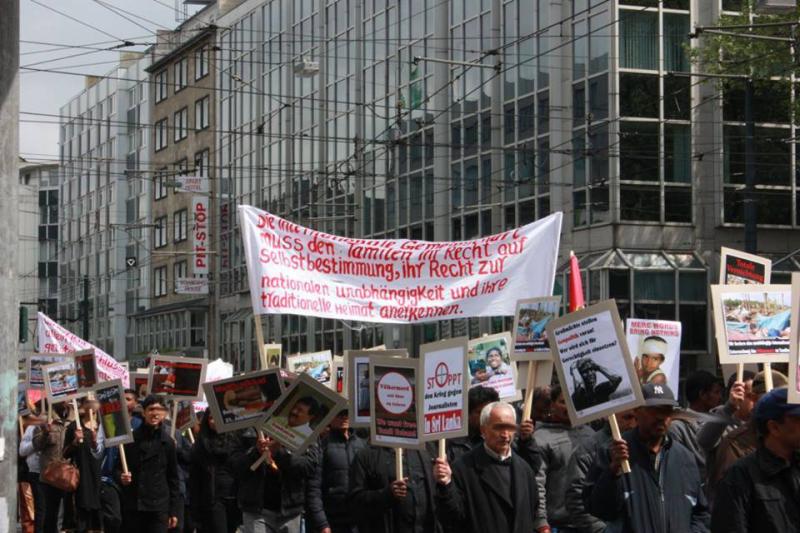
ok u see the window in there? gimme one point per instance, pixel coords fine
(201, 117)
(181, 225)
(179, 270)
(181, 124)
(159, 187)
(162, 79)
(160, 132)
(181, 73)
(201, 163)
(201, 63)
(160, 232)
(160, 281)
(638, 40)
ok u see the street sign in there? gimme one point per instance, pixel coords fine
(130, 261)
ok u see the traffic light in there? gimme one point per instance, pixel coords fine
(23, 325)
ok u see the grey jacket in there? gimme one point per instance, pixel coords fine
(557, 443)
(684, 429)
(579, 465)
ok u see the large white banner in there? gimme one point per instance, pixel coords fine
(297, 270)
(57, 339)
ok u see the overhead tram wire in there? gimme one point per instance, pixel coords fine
(95, 28)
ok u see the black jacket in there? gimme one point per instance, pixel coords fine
(527, 449)
(577, 469)
(88, 494)
(760, 492)
(666, 501)
(211, 471)
(153, 464)
(294, 472)
(326, 495)
(473, 503)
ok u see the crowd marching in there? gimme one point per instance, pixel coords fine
(728, 462)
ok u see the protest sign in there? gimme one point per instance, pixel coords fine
(530, 323)
(395, 402)
(185, 415)
(273, 352)
(301, 413)
(23, 407)
(794, 342)
(490, 365)
(656, 349)
(176, 377)
(445, 385)
(86, 367)
(752, 322)
(56, 339)
(740, 268)
(242, 401)
(113, 413)
(294, 269)
(357, 382)
(593, 363)
(543, 372)
(139, 381)
(60, 381)
(338, 382)
(34, 364)
(317, 365)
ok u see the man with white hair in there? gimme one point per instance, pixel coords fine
(490, 488)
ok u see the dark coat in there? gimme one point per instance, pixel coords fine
(326, 497)
(760, 492)
(88, 494)
(211, 471)
(153, 464)
(473, 503)
(666, 501)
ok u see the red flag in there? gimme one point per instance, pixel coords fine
(576, 300)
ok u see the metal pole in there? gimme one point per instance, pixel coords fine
(9, 178)
(750, 207)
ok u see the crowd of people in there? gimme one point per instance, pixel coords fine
(726, 463)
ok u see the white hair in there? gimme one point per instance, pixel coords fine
(486, 412)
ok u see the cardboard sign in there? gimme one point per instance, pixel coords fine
(186, 417)
(243, 401)
(139, 381)
(490, 365)
(593, 363)
(86, 367)
(445, 387)
(60, 381)
(34, 364)
(23, 407)
(530, 328)
(357, 382)
(273, 352)
(752, 322)
(317, 365)
(544, 372)
(338, 382)
(656, 349)
(176, 377)
(395, 403)
(740, 268)
(113, 413)
(794, 342)
(301, 413)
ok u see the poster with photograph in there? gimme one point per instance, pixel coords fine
(242, 401)
(34, 364)
(273, 352)
(338, 382)
(656, 349)
(23, 407)
(752, 322)
(794, 342)
(593, 363)
(176, 377)
(139, 380)
(113, 412)
(60, 381)
(301, 413)
(445, 387)
(740, 268)
(186, 417)
(530, 328)
(86, 367)
(395, 402)
(357, 381)
(490, 365)
(316, 364)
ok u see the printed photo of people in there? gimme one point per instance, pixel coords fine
(656, 349)
(139, 382)
(113, 413)
(87, 369)
(273, 352)
(533, 315)
(60, 380)
(362, 380)
(593, 384)
(36, 362)
(490, 364)
(317, 365)
(23, 408)
(240, 401)
(756, 321)
(176, 376)
(740, 268)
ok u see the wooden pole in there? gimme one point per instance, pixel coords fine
(768, 376)
(123, 459)
(740, 372)
(174, 419)
(527, 406)
(616, 435)
(191, 435)
(442, 448)
(77, 417)
(49, 412)
(272, 465)
(21, 427)
(398, 464)
(262, 349)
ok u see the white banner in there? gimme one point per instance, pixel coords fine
(57, 339)
(200, 234)
(191, 184)
(294, 269)
(191, 286)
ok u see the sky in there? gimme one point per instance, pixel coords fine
(48, 38)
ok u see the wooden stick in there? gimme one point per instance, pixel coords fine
(191, 435)
(174, 419)
(123, 459)
(49, 412)
(398, 464)
(616, 435)
(262, 348)
(527, 406)
(21, 427)
(272, 465)
(77, 417)
(768, 376)
(442, 448)
(740, 372)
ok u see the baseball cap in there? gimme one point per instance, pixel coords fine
(773, 406)
(657, 395)
(760, 384)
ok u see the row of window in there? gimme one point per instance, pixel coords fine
(180, 228)
(180, 72)
(180, 269)
(180, 123)
(162, 177)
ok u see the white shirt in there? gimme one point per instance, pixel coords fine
(32, 457)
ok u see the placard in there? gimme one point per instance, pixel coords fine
(23, 407)
(60, 381)
(794, 342)
(301, 413)
(316, 364)
(338, 383)
(273, 352)
(242, 401)
(490, 365)
(176, 377)
(86, 367)
(740, 268)
(139, 380)
(357, 382)
(395, 403)
(113, 412)
(33, 367)
(445, 387)
(593, 363)
(656, 349)
(186, 417)
(544, 372)
(752, 322)
(530, 328)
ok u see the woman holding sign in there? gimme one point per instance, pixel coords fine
(49, 441)
(84, 446)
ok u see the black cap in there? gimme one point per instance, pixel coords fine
(657, 395)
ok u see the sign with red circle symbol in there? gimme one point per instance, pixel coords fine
(441, 374)
(445, 385)
(395, 393)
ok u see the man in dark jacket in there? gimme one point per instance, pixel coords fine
(272, 496)
(490, 489)
(151, 488)
(327, 509)
(663, 490)
(478, 398)
(761, 491)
